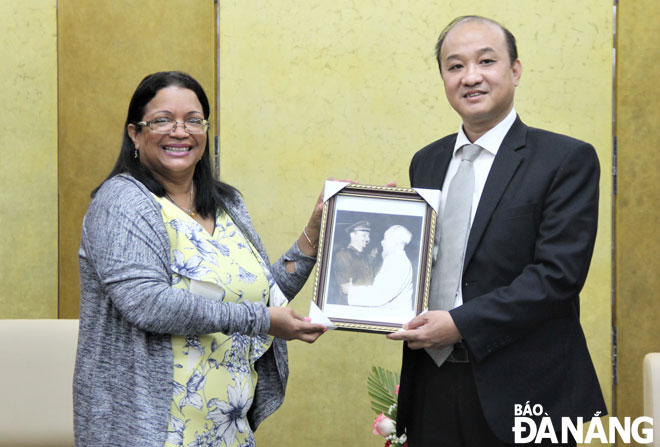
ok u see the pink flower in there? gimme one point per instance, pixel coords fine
(383, 425)
(396, 390)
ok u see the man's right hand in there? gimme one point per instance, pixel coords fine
(432, 329)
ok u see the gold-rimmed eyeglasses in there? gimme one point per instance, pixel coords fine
(168, 125)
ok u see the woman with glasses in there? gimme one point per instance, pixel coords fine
(182, 320)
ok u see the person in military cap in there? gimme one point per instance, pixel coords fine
(353, 264)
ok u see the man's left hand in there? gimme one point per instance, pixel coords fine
(433, 329)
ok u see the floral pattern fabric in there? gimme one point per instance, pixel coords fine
(214, 374)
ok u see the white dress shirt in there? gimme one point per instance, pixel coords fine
(491, 142)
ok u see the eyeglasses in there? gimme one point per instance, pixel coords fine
(167, 125)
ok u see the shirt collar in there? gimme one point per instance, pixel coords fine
(491, 140)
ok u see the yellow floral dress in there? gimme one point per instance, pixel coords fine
(214, 374)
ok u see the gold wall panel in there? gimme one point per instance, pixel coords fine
(313, 89)
(105, 49)
(637, 211)
(28, 170)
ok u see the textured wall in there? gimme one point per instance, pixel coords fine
(28, 170)
(105, 49)
(315, 88)
(310, 89)
(637, 212)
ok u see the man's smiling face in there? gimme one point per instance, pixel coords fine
(478, 76)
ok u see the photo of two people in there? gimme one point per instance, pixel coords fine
(374, 256)
(374, 262)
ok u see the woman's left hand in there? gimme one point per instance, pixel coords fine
(313, 227)
(309, 240)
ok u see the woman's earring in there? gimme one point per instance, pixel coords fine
(136, 153)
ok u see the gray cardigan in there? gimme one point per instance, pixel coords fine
(122, 385)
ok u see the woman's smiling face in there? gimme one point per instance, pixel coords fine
(171, 156)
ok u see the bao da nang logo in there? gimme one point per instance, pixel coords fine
(535, 430)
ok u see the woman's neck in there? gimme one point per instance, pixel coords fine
(179, 186)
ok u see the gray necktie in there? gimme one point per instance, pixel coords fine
(451, 232)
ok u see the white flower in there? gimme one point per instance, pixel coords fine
(391, 409)
(176, 435)
(397, 441)
(231, 417)
(383, 425)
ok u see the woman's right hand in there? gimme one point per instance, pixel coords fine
(288, 325)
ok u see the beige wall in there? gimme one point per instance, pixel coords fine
(637, 212)
(28, 170)
(105, 49)
(312, 88)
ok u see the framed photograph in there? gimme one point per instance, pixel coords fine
(375, 255)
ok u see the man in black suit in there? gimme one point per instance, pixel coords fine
(515, 323)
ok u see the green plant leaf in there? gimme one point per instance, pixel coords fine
(381, 385)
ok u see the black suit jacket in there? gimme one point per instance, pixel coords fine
(527, 258)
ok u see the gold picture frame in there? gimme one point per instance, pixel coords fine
(374, 257)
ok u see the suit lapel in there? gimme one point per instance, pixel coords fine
(504, 166)
(442, 163)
